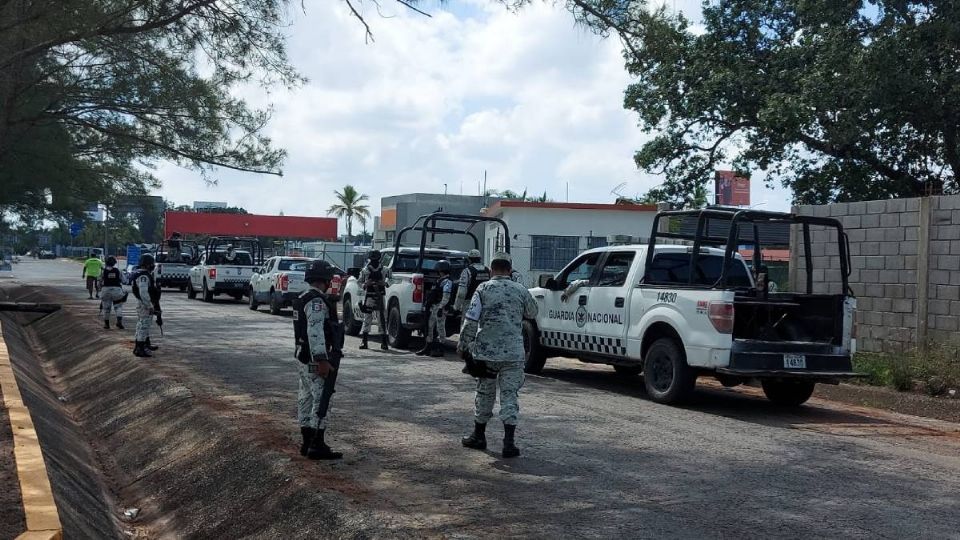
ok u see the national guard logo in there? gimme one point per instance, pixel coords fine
(581, 317)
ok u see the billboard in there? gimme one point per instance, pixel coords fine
(732, 189)
(208, 223)
(207, 205)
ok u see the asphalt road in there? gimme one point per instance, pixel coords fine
(599, 459)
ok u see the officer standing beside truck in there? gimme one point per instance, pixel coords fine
(318, 338)
(471, 277)
(491, 343)
(373, 280)
(148, 306)
(436, 308)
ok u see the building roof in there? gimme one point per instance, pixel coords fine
(499, 206)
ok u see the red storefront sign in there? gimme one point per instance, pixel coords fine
(204, 223)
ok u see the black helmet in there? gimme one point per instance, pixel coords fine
(111, 261)
(319, 271)
(443, 267)
(146, 261)
(374, 255)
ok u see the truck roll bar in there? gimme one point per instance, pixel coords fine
(438, 223)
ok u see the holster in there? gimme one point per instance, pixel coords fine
(475, 368)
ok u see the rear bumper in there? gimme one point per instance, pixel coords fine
(820, 365)
(232, 287)
(178, 281)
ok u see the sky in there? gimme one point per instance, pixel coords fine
(528, 96)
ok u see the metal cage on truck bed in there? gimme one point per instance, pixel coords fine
(443, 223)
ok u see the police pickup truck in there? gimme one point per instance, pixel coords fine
(225, 267)
(174, 260)
(674, 312)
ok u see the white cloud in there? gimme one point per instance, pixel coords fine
(527, 96)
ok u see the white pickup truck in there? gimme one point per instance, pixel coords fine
(646, 312)
(277, 282)
(225, 269)
(405, 292)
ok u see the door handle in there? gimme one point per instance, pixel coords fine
(539, 296)
(583, 300)
(618, 302)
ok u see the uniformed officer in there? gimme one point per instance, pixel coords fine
(319, 343)
(113, 294)
(491, 338)
(516, 276)
(175, 248)
(148, 306)
(436, 308)
(374, 279)
(471, 277)
(92, 268)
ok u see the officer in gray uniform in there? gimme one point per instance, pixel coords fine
(113, 295)
(374, 279)
(319, 347)
(471, 278)
(492, 338)
(436, 308)
(148, 306)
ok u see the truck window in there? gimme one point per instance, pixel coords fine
(615, 269)
(581, 268)
(288, 264)
(674, 268)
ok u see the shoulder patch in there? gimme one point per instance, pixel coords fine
(317, 306)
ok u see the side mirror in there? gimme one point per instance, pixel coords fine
(547, 281)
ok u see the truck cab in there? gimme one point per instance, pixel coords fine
(640, 308)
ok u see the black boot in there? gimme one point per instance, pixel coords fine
(437, 350)
(106, 324)
(478, 439)
(149, 346)
(319, 450)
(383, 343)
(308, 434)
(140, 350)
(120, 323)
(363, 344)
(509, 448)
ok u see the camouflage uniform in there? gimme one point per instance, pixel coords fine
(492, 332)
(373, 302)
(113, 294)
(516, 276)
(463, 287)
(437, 325)
(145, 309)
(311, 384)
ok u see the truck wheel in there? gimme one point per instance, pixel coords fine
(275, 306)
(790, 392)
(628, 371)
(399, 336)
(253, 300)
(666, 375)
(191, 292)
(534, 355)
(207, 293)
(350, 323)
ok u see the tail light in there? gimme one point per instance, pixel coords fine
(212, 273)
(335, 285)
(721, 315)
(283, 282)
(417, 288)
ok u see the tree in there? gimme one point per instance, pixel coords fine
(349, 207)
(837, 100)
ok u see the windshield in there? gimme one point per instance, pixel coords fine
(674, 268)
(293, 264)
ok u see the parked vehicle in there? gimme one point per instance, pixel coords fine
(173, 265)
(414, 275)
(47, 254)
(225, 267)
(642, 309)
(277, 282)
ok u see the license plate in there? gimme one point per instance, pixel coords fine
(794, 361)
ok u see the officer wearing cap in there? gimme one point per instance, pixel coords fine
(471, 277)
(318, 338)
(492, 336)
(148, 305)
(374, 279)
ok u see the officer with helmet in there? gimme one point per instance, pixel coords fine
(113, 295)
(471, 277)
(436, 306)
(148, 306)
(373, 280)
(318, 339)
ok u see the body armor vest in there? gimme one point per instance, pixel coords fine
(112, 278)
(477, 276)
(332, 329)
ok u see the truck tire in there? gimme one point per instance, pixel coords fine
(398, 335)
(253, 300)
(534, 355)
(791, 393)
(275, 305)
(207, 293)
(666, 375)
(191, 292)
(350, 324)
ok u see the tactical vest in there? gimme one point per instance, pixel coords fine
(375, 275)
(111, 277)
(332, 329)
(436, 293)
(477, 276)
(153, 293)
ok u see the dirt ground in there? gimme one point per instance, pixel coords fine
(12, 521)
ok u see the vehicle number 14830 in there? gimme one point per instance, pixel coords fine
(667, 297)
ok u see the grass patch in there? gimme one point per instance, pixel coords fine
(934, 372)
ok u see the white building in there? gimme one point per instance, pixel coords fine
(544, 237)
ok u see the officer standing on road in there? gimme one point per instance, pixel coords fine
(113, 294)
(373, 280)
(436, 308)
(471, 277)
(319, 345)
(491, 342)
(148, 306)
(92, 268)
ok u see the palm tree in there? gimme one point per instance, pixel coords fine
(349, 207)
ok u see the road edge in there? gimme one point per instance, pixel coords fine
(39, 507)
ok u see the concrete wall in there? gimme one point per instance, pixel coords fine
(526, 222)
(905, 260)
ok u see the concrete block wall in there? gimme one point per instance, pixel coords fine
(905, 267)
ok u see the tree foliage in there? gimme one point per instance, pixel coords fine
(837, 100)
(349, 207)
